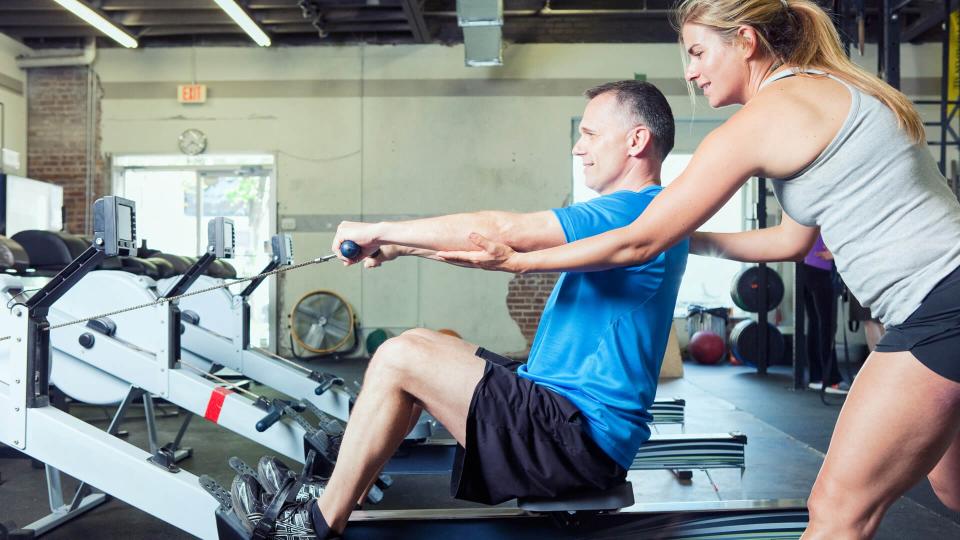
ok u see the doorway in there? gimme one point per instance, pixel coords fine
(177, 195)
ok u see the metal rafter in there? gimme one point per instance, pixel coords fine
(42, 23)
(930, 17)
(413, 9)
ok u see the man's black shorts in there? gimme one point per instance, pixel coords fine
(525, 441)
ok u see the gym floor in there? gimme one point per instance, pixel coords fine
(788, 433)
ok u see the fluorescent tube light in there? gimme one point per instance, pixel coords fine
(240, 17)
(99, 22)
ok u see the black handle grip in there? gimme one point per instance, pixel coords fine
(349, 249)
(270, 419)
(327, 381)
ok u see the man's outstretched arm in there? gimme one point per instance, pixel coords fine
(421, 237)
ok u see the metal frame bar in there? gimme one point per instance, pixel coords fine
(187, 390)
(763, 358)
(800, 353)
(946, 115)
(176, 498)
(784, 519)
(203, 347)
(890, 44)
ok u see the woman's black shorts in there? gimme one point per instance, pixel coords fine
(932, 332)
(525, 441)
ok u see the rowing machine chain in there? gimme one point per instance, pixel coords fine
(160, 301)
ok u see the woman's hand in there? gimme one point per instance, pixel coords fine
(382, 255)
(491, 256)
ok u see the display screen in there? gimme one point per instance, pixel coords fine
(227, 234)
(124, 223)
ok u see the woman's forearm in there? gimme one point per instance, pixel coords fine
(612, 249)
(762, 245)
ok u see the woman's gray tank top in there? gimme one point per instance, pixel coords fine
(883, 208)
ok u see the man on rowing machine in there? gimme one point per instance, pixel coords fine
(572, 417)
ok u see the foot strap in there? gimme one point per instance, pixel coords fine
(269, 521)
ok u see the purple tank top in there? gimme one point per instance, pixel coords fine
(812, 260)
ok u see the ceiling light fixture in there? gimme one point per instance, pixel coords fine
(240, 16)
(100, 22)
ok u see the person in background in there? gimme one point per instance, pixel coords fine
(820, 301)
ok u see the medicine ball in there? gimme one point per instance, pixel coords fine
(375, 339)
(706, 347)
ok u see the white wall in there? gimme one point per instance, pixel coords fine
(13, 97)
(380, 132)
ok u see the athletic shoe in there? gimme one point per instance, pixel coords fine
(293, 522)
(841, 388)
(246, 496)
(273, 473)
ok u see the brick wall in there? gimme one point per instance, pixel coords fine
(57, 116)
(526, 296)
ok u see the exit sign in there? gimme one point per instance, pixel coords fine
(192, 93)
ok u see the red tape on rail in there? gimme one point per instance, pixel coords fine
(215, 405)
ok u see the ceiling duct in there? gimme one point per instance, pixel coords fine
(482, 23)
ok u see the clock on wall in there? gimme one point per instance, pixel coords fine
(192, 142)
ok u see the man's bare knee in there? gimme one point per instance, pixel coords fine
(395, 357)
(423, 333)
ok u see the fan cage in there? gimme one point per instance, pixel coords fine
(346, 338)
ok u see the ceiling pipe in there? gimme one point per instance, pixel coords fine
(60, 57)
(549, 12)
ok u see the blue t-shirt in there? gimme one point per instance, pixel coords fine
(603, 334)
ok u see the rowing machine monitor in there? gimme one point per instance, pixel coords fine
(115, 226)
(282, 247)
(221, 237)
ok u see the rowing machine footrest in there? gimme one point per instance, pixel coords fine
(228, 524)
(229, 527)
(324, 459)
(615, 498)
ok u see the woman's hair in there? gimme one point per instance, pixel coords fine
(798, 33)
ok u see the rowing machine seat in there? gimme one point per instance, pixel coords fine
(12, 255)
(615, 498)
(47, 250)
(180, 264)
(221, 269)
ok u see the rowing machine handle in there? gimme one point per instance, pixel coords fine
(270, 419)
(349, 249)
